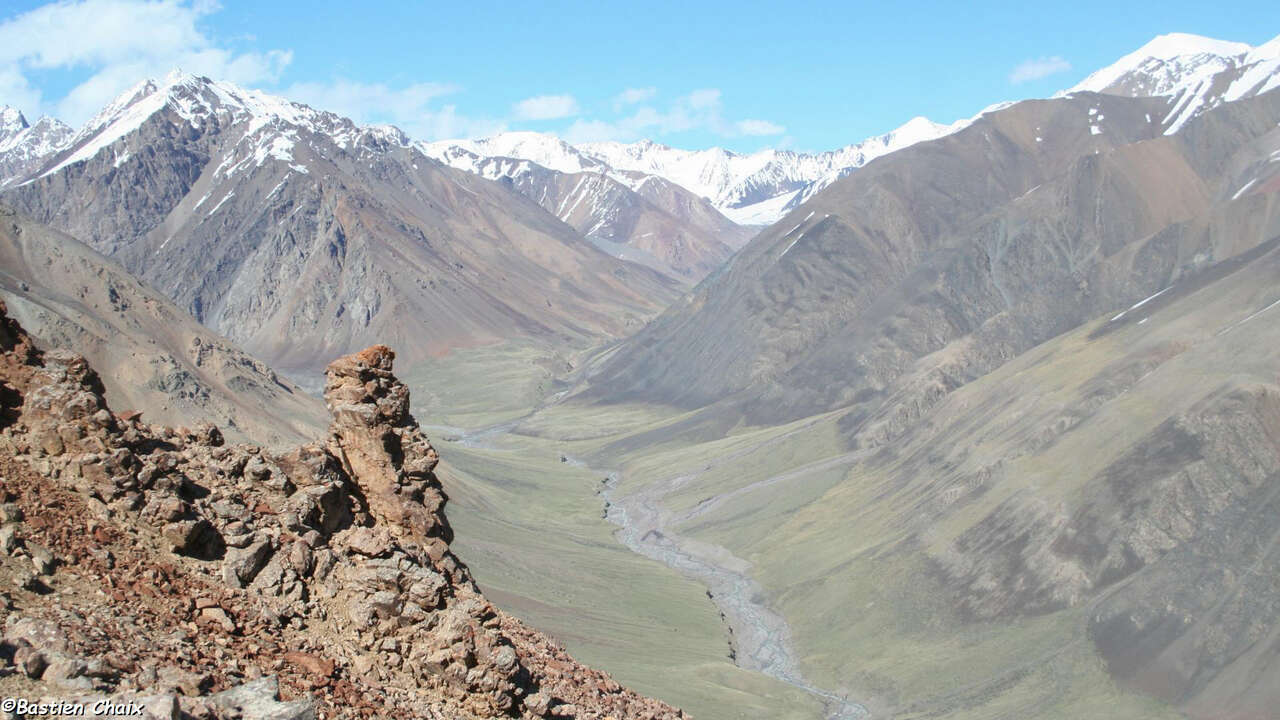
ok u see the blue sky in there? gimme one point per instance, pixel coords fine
(742, 75)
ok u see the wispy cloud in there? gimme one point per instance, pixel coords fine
(120, 42)
(631, 96)
(111, 45)
(411, 108)
(545, 107)
(701, 109)
(759, 127)
(1038, 68)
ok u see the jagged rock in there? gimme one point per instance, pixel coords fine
(241, 566)
(301, 559)
(66, 672)
(370, 542)
(34, 632)
(315, 664)
(41, 559)
(197, 538)
(326, 507)
(379, 442)
(218, 617)
(170, 678)
(30, 661)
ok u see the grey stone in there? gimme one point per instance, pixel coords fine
(260, 700)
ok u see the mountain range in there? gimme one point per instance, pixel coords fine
(224, 199)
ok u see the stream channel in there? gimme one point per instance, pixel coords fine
(759, 636)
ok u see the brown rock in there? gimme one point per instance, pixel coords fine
(370, 542)
(314, 664)
(217, 617)
(30, 661)
(41, 559)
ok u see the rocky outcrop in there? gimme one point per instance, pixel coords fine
(226, 567)
(379, 443)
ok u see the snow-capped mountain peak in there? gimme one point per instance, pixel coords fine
(273, 122)
(24, 147)
(1175, 45)
(11, 123)
(1165, 65)
(546, 150)
(1195, 72)
(750, 189)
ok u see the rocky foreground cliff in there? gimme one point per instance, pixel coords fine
(162, 567)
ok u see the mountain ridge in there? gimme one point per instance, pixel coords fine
(223, 198)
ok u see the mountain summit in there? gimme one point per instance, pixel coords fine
(24, 147)
(1196, 73)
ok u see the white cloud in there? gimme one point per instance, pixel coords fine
(409, 108)
(704, 99)
(17, 92)
(111, 45)
(584, 131)
(545, 107)
(759, 127)
(1038, 68)
(119, 42)
(631, 96)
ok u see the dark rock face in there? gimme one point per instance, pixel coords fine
(348, 541)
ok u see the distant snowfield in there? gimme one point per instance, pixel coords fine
(754, 189)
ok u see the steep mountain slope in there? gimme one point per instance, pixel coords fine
(1090, 519)
(814, 301)
(154, 358)
(299, 235)
(23, 147)
(651, 221)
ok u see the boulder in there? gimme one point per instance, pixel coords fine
(260, 700)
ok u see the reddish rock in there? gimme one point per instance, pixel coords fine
(314, 664)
